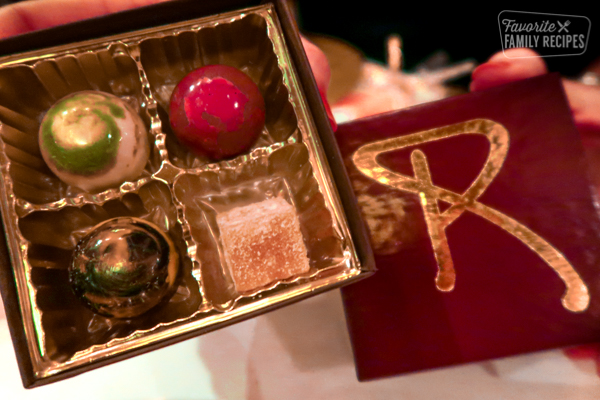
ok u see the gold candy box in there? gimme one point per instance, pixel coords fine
(293, 171)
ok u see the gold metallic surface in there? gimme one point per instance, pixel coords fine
(576, 297)
(142, 68)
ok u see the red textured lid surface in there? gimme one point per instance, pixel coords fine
(506, 299)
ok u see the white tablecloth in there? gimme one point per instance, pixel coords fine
(299, 352)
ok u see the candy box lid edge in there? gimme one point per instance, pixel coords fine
(14, 318)
(151, 16)
(329, 142)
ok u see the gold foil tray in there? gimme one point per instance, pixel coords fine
(179, 191)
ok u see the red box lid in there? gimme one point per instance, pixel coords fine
(503, 179)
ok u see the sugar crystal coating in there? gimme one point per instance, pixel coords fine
(263, 243)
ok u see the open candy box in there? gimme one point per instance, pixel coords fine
(203, 242)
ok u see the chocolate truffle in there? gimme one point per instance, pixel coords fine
(124, 267)
(217, 111)
(94, 141)
(262, 243)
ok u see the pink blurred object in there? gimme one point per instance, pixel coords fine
(382, 88)
(588, 352)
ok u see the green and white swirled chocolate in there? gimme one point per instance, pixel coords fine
(94, 140)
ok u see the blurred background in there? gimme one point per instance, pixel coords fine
(460, 31)
(279, 355)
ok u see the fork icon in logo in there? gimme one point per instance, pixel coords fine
(563, 27)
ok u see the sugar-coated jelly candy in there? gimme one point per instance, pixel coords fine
(263, 243)
(124, 267)
(94, 140)
(217, 111)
